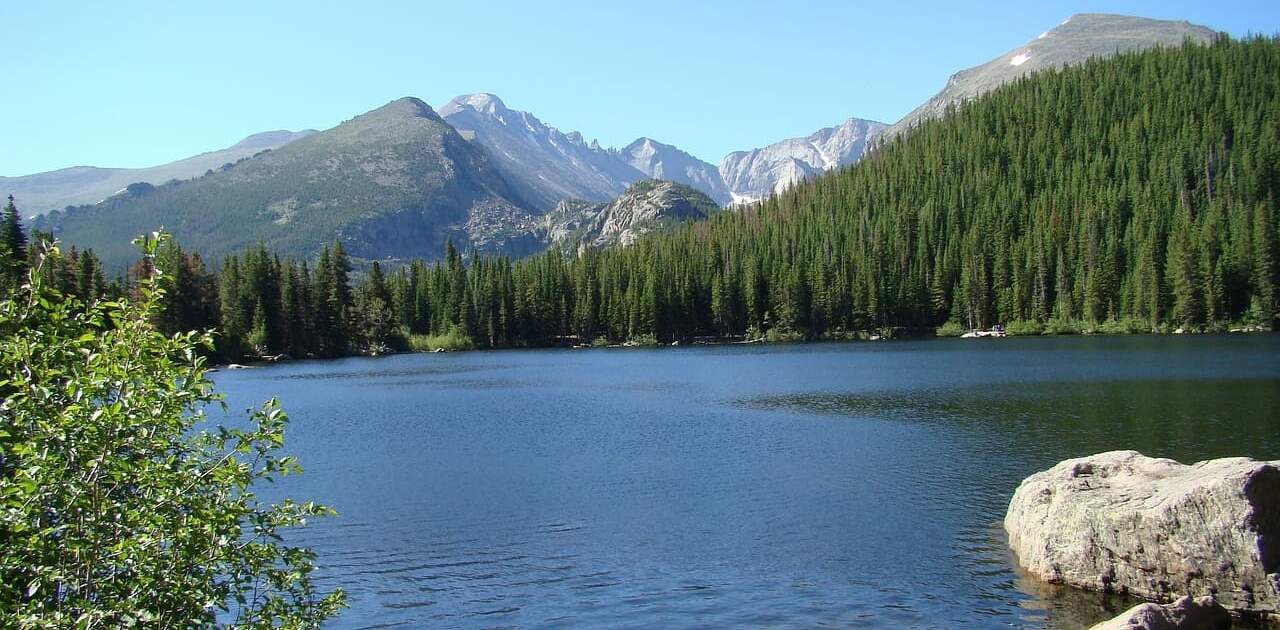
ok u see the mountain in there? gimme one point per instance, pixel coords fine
(663, 161)
(645, 207)
(1078, 38)
(395, 182)
(547, 166)
(484, 174)
(543, 165)
(78, 185)
(756, 174)
(1127, 194)
(1131, 193)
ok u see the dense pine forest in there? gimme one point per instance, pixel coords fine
(1136, 193)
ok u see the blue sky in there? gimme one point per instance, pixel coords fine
(141, 83)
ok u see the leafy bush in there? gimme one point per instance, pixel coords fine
(1024, 328)
(951, 328)
(1062, 326)
(844, 335)
(118, 505)
(452, 340)
(1126, 326)
(782, 334)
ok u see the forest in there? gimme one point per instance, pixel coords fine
(1136, 193)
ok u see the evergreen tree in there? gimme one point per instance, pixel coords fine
(13, 245)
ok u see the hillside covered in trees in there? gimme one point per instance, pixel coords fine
(1135, 193)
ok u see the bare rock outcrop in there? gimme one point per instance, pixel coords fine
(1154, 528)
(1184, 614)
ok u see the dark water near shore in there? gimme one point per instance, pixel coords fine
(830, 484)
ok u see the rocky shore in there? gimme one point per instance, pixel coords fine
(1185, 614)
(1157, 529)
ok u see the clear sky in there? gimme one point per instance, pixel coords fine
(126, 83)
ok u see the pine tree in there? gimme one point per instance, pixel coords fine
(1263, 304)
(13, 245)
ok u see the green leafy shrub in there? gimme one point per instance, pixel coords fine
(951, 328)
(119, 506)
(452, 340)
(1062, 326)
(1024, 328)
(782, 334)
(1126, 326)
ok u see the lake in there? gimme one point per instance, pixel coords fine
(858, 484)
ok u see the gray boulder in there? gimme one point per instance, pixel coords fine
(1154, 528)
(1184, 614)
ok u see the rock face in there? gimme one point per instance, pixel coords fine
(547, 166)
(644, 207)
(756, 174)
(543, 164)
(1078, 38)
(1184, 614)
(663, 161)
(1154, 528)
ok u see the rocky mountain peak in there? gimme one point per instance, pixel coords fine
(405, 108)
(663, 161)
(481, 102)
(544, 164)
(642, 145)
(396, 122)
(758, 173)
(1075, 40)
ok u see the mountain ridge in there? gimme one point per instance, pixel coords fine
(396, 181)
(544, 164)
(754, 174)
(1074, 40)
(514, 169)
(78, 185)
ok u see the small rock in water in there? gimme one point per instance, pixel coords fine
(1155, 528)
(1184, 614)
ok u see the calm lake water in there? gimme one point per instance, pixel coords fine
(804, 485)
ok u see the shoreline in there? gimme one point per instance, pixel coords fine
(247, 363)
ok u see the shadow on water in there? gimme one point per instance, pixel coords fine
(1031, 426)
(373, 370)
(1183, 419)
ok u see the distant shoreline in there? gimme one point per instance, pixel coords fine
(728, 341)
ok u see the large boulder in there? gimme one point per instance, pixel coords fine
(1184, 614)
(1154, 528)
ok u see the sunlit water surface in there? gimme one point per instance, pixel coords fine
(826, 484)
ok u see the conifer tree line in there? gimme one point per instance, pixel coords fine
(76, 274)
(1136, 193)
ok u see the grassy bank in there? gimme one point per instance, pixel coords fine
(451, 341)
